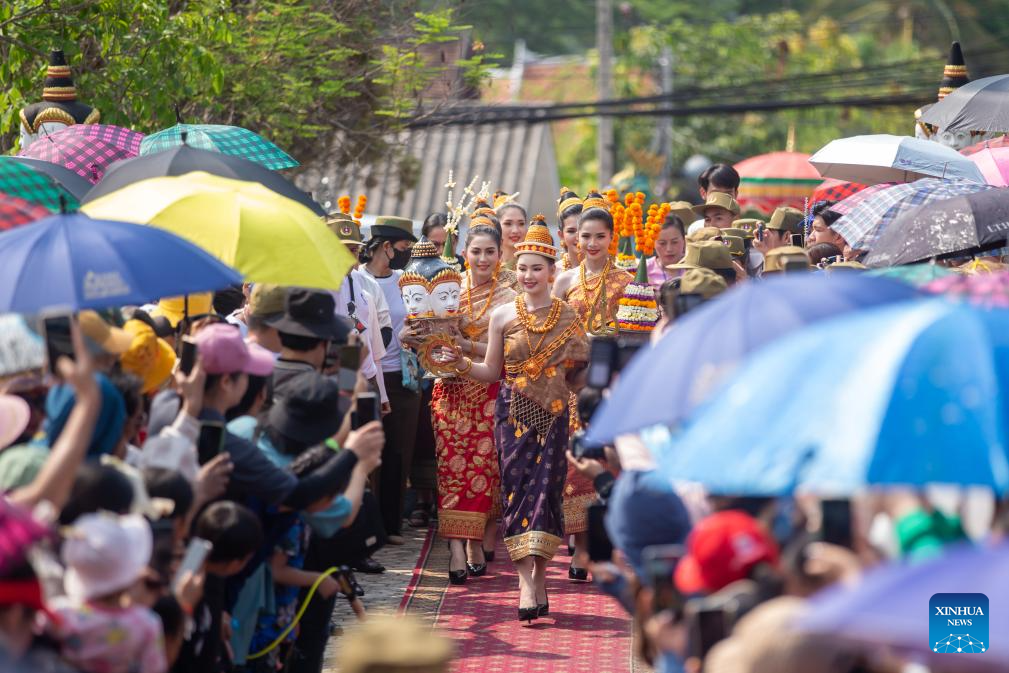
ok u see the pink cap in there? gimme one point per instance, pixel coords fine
(222, 351)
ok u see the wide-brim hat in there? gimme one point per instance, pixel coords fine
(111, 339)
(149, 357)
(15, 414)
(775, 260)
(717, 200)
(104, 554)
(311, 313)
(704, 282)
(266, 301)
(393, 228)
(174, 308)
(712, 255)
(786, 218)
(345, 228)
(309, 409)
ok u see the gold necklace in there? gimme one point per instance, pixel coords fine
(600, 277)
(490, 295)
(529, 321)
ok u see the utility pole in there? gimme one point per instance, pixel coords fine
(604, 45)
(665, 130)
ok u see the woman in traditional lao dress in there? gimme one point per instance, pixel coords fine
(541, 344)
(463, 413)
(593, 289)
(569, 207)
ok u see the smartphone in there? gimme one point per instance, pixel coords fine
(162, 547)
(59, 342)
(196, 554)
(211, 441)
(685, 303)
(600, 547)
(835, 522)
(660, 565)
(581, 449)
(367, 410)
(187, 355)
(707, 628)
(602, 359)
(350, 357)
(797, 241)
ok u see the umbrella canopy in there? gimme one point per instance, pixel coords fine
(916, 275)
(982, 289)
(862, 226)
(885, 158)
(836, 190)
(837, 407)
(994, 165)
(72, 262)
(86, 149)
(848, 204)
(1001, 141)
(887, 606)
(768, 181)
(183, 159)
(233, 140)
(14, 212)
(61, 175)
(24, 182)
(268, 237)
(705, 347)
(972, 222)
(981, 105)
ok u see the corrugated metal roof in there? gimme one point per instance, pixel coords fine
(515, 157)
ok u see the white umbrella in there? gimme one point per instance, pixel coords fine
(884, 158)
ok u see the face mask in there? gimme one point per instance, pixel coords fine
(399, 259)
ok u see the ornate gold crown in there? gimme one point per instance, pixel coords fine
(411, 278)
(481, 220)
(596, 200)
(563, 204)
(424, 248)
(445, 276)
(538, 240)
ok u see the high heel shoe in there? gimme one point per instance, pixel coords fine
(477, 569)
(457, 577)
(529, 614)
(488, 555)
(578, 574)
(543, 609)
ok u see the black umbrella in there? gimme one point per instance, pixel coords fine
(182, 159)
(962, 225)
(982, 105)
(63, 176)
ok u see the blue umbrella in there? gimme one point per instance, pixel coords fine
(703, 348)
(909, 394)
(72, 262)
(890, 606)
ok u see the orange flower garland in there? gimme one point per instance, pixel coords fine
(362, 201)
(344, 204)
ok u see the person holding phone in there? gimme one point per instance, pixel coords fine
(784, 223)
(540, 342)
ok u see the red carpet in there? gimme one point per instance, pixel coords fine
(586, 630)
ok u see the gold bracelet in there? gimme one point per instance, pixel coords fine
(467, 365)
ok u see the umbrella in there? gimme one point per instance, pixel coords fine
(14, 212)
(21, 348)
(233, 140)
(269, 238)
(183, 159)
(916, 275)
(848, 204)
(887, 606)
(86, 149)
(871, 398)
(886, 158)
(768, 181)
(972, 222)
(706, 346)
(72, 262)
(26, 183)
(862, 226)
(983, 289)
(994, 165)
(981, 105)
(836, 190)
(61, 175)
(994, 143)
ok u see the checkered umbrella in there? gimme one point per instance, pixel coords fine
(14, 212)
(86, 149)
(61, 175)
(835, 190)
(862, 226)
(233, 140)
(24, 182)
(848, 204)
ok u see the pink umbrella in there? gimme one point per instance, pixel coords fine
(994, 165)
(86, 149)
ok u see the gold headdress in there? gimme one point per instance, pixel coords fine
(565, 203)
(595, 200)
(538, 240)
(458, 210)
(502, 198)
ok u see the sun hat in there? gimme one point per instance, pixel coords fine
(15, 414)
(111, 339)
(786, 218)
(345, 228)
(174, 308)
(148, 357)
(718, 200)
(393, 228)
(223, 351)
(775, 260)
(704, 282)
(309, 410)
(722, 549)
(712, 255)
(105, 553)
(705, 234)
(266, 300)
(311, 313)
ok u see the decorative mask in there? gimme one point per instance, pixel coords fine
(429, 285)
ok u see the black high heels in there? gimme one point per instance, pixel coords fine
(578, 574)
(477, 569)
(529, 614)
(457, 577)
(488, 555)
(543, 609)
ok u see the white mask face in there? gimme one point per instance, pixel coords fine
(416, 299)
(445, 299)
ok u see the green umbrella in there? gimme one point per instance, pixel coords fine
(233, 140)
(22, 181)
(917, 275)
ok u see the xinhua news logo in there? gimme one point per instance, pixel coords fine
(958, 623)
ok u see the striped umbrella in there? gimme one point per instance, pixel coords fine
(768, 181)
(86, 149)
(836, 190)
(233, 140)
(862, 226)
(26, 183)
(14, 212)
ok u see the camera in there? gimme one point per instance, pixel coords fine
(607, 356)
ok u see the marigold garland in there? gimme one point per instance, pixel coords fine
(344, 204)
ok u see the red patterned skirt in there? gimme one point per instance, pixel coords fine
(469, 490)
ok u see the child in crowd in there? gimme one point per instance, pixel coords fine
(99, 628)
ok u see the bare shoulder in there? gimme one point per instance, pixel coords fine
(503, 314)
(563, 282)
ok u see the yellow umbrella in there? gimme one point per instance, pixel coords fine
(268, 237)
